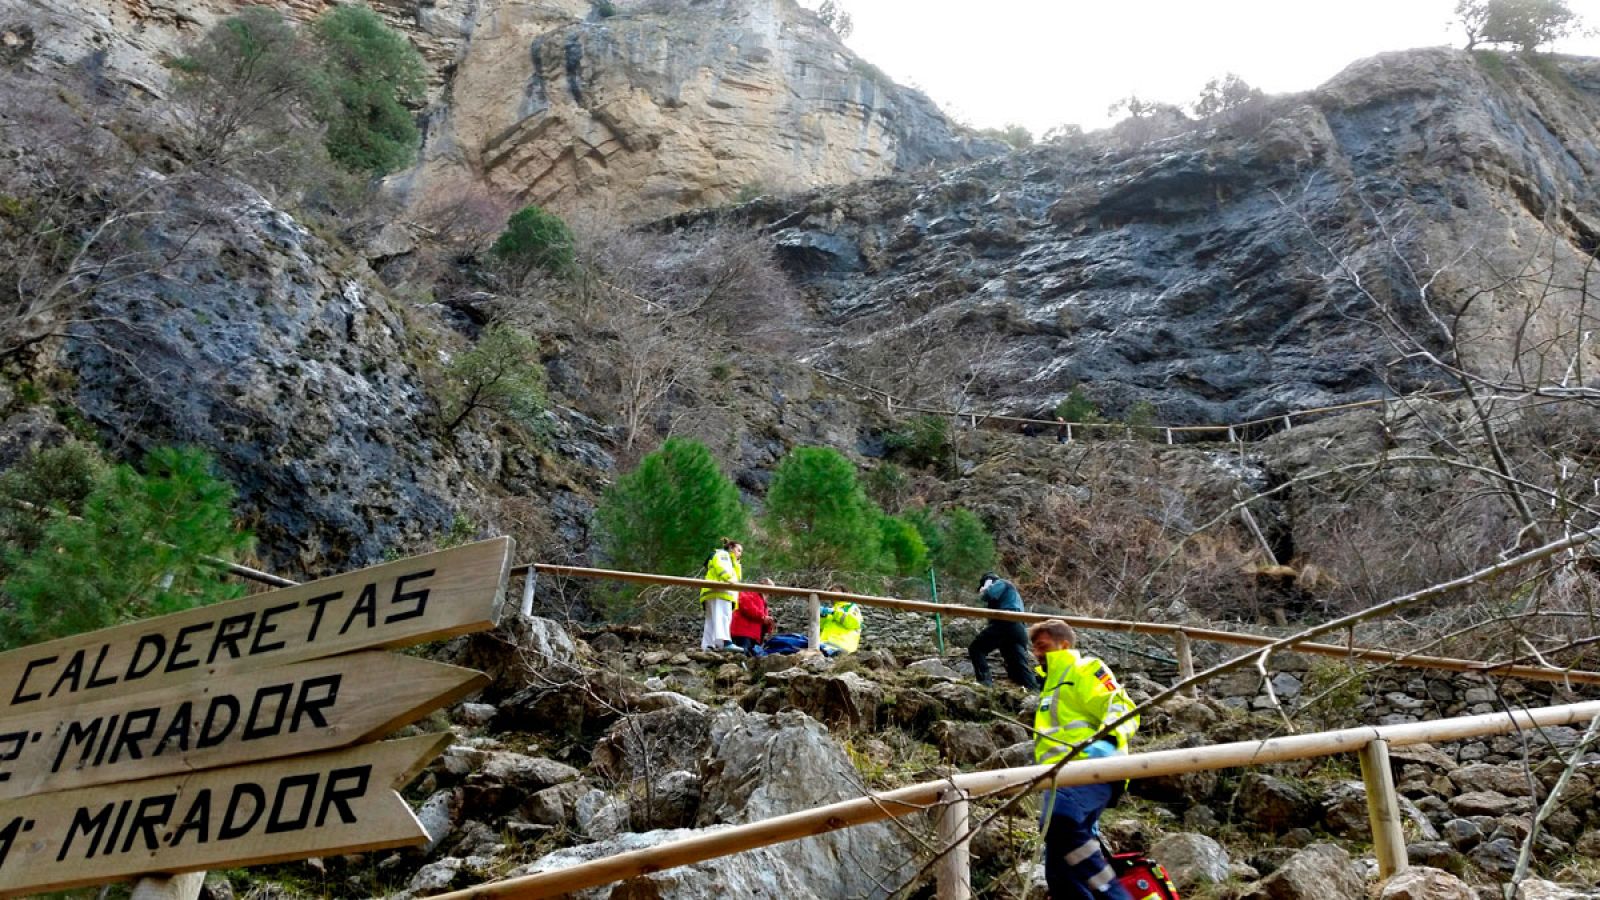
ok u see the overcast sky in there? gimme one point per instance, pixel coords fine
(1042, 63)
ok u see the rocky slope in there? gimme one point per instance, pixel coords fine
(1208, 272)
(664, 106)
(621, 740)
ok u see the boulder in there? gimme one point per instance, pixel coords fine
(1436, 855)
(759, 766)
(1344, 812)
(581, 703)
(846, 700)
(761, 872)
(1497, 857)
(670, 801)
(475, 715)
(1539, 889)
(1191, 859)
(1423, 883)
(438, 817)
(934, 668)
(1319, 872)
(1463, 834)
(963, 744)
(600, 816)
(1272, 804)
(554, 806)
(960, 700)
(663, 740)
(1482, 777)
(506, 779)
(764, 766)
(435, 877)
(1487, 803)
(520, 647)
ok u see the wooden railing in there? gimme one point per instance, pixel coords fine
(950, 797)
(1234, 433)
(1181, 635)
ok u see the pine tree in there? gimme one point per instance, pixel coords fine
(138, 550)
(668, 514)
(819, 518)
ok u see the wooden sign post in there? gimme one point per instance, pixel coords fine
(326, 803)
(393, 605)
(192, 740)
(282, 711)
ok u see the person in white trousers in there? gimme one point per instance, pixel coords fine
(723, 566)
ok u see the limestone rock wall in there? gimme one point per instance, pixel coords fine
(666, 106)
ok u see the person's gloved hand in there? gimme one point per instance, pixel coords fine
(1099, 750)
(826, 611)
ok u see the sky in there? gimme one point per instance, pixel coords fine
(1042, 63)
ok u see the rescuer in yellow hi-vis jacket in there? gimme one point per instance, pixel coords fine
(723, 566)
(1080, 696)
(841, 628)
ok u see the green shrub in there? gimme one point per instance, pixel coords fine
(924, 441)
(668, 514)
(500, 374)
(372, 75)
(605, 9)
(887, 485)
(138, 550)
(1077, 408)
(248, 72)
(959, 545)
(905, 553)
(52, 481)
(819, 518)
(1142, 418)
(535, 239)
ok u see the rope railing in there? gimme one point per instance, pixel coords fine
(1371, 742)
(1181, 635)
(1235, 432)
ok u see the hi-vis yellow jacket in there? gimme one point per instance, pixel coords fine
(722, 567)
(1080, 695)
(842, 627)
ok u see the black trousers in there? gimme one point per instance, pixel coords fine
(1011, 639)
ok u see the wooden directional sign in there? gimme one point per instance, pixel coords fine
(425, 597)
(326, 803)
(281, 711)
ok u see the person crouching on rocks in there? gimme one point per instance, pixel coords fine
(1010, 638)
(723, 566)
(1080, 698)
(751, 623)
(841, 626)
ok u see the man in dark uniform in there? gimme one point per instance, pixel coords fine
(1010, 638)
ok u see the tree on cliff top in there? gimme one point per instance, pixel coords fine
(1527, 24)
(373, 76)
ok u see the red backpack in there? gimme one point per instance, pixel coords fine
(1142, 877)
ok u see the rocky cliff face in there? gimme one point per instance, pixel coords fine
(1210, 272)
(672, 105)
(666, 105)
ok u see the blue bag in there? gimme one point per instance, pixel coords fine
(788, 642)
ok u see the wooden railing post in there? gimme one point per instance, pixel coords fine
(169, 887)
(814, 628)
(1383, 809)
(528, 585)
(955, 867)
(1185, 661)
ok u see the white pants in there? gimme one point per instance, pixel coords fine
(719, 621)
